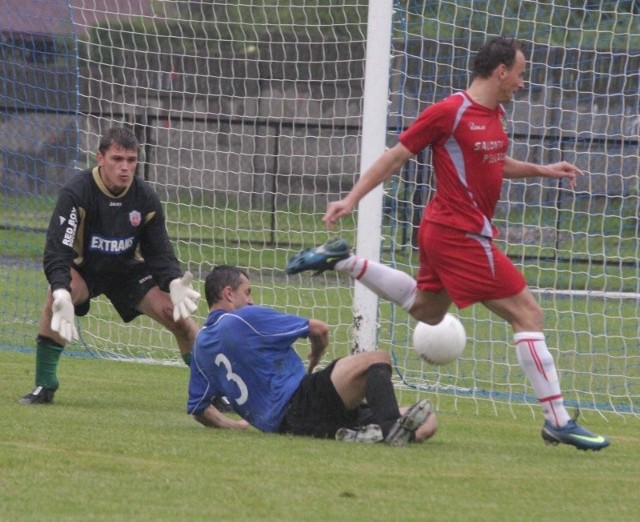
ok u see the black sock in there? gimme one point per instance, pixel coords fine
(381, 396)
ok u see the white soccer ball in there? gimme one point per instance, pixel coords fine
(442, 343)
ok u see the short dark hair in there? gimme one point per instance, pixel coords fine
(123, 138)
(493, 53)
(219, 278)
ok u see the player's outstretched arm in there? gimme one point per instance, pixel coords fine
(522, 169)
(319, 337)
(183, 296)
(382, 169)
(212, 418)
(562, 170)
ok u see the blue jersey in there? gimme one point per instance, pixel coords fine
(247, 356)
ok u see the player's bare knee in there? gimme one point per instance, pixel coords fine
(380, 356)
(425, 315)
(185, 329)
(181, 327)
(430, 308)
(384, 356)
(166, 319)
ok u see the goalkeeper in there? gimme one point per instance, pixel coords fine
(107, 236)
(245, 353)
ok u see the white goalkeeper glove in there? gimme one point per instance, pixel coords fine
(183, 296)
(63, 319)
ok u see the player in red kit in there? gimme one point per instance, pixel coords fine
(459, 262)
(469, 145)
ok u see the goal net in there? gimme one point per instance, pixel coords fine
(251, 116)
(577, 248)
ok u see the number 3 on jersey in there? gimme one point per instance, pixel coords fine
(221, 360)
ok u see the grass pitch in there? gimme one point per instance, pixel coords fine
(117, 445)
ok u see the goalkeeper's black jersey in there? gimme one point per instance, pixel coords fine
(99, 233)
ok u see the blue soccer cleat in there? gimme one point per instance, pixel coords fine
(320, 258)
(573, 434)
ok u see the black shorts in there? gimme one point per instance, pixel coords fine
(316, 409)
(124, 290)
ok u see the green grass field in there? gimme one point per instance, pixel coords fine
(117, 445)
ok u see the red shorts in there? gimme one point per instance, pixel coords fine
(468, 266)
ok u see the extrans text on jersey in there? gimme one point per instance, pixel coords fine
(111, 245)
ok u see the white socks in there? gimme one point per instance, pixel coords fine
(389, 283)
(538, 365)
(533, 355)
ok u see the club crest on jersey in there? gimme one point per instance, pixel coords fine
(135, 218)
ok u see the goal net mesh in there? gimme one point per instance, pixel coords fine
(250, 116)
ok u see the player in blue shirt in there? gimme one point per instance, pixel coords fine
(246, 354)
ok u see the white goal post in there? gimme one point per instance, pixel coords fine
(253, 115)
(374, 124)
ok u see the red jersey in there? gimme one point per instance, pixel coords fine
(468, 143)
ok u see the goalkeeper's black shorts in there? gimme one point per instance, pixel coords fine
(124, 290)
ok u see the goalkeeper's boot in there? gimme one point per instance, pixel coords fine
(573, 434)
(369, 433)
(407, 424)
(39, 395)
(320, 258)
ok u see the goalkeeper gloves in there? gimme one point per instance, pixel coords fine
(62, 320)
(183, 296)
